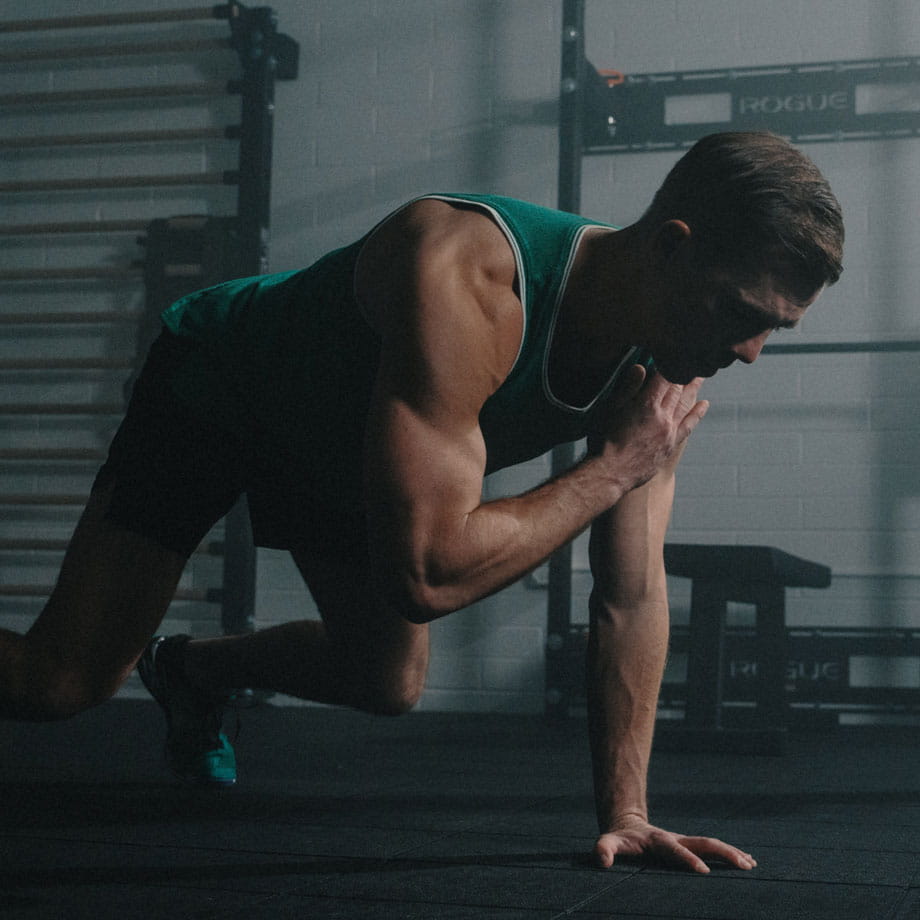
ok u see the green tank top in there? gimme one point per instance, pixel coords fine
(289, 360)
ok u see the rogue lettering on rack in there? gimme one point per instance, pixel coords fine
(794, 102)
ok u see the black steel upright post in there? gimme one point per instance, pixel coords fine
(571, 109)
(571, 105)
(252, 32)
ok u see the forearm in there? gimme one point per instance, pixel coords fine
(484, 550)
(627, 650)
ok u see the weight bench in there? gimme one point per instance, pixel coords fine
(757, 575)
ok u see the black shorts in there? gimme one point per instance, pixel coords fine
(174, 474)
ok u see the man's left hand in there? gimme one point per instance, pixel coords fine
(636, 837)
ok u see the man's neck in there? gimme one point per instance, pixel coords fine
(598, 320)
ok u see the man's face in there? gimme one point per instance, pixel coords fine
(711, 324)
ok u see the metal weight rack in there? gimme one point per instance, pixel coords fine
(113, 123)
(609, 113)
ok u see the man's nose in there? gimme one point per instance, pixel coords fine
(748, 350)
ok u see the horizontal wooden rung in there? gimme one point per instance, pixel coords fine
(32, 545)
(61, 408)
(47, 545)
(36, 498)
(127, 49)
(77, 273)
(77, 226)
(225, 177)
(94, 317)
(41, 454)
(117, 94)
(201, 595)
(173, 135)
(65, 364)
(98, 20)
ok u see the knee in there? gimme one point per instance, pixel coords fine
(65, 696)
(57, 691)
(394, 697)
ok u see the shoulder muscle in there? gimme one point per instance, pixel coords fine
(442, 279)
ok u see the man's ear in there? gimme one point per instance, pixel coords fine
(670, 237)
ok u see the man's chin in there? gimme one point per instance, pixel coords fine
(679, 376)
(684, 375)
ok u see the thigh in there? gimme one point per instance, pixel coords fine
(113, 589)
(360, 626)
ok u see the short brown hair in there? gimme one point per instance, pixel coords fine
(756, 203)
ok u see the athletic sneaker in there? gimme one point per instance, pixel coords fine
(196, 748)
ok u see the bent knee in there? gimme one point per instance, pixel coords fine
(61, 692)
(394, 699)
(67, 696)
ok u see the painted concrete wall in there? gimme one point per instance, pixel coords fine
(813, 454)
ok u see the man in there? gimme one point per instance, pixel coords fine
(359, 404)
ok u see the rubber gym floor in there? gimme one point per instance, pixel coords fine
(440, 816)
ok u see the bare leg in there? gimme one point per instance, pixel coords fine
(113, 589)
(362, 654)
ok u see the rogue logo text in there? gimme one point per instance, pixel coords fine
(798, 103)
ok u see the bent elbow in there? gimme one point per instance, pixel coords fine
(419, 615)
(420, 586)
(421, 599)
(425, 602)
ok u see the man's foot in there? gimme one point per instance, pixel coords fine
(196, 748)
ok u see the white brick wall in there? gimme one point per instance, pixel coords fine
(814, 454)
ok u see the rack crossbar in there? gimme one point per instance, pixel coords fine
(818, 348)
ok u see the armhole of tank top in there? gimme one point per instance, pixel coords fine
(502, 225)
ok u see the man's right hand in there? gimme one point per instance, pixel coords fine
(648, 419)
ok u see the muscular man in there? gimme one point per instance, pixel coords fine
(360, 402)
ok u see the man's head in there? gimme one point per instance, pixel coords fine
(746, 233)
(756, 206)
